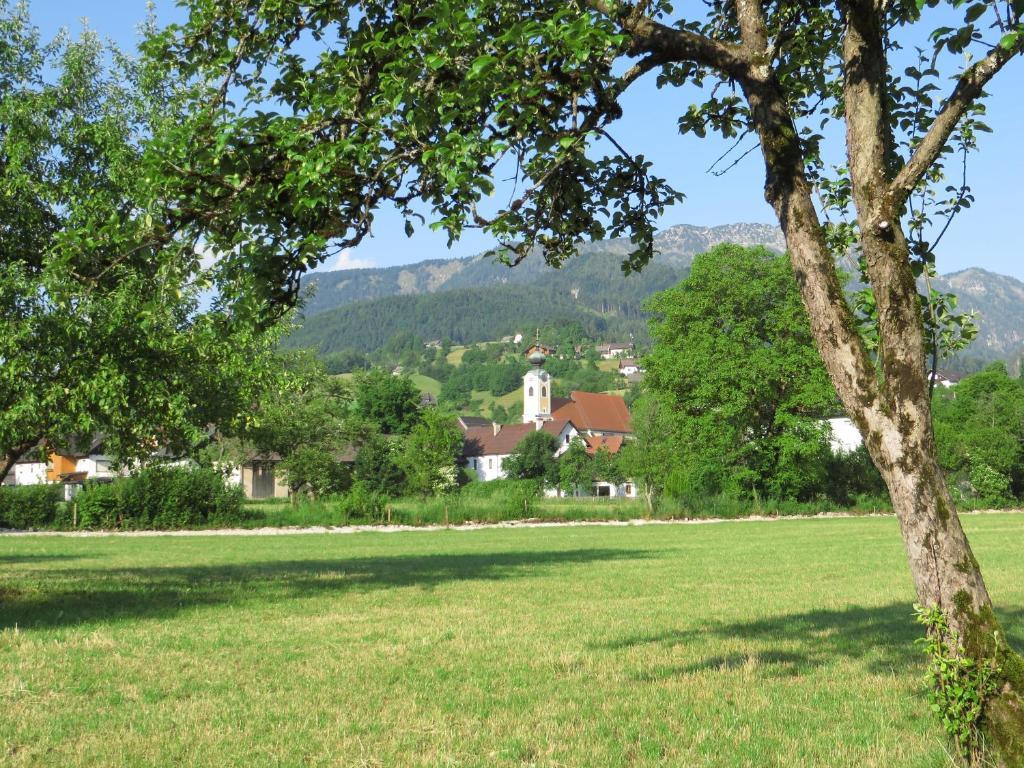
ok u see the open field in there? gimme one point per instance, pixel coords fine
(783, 643)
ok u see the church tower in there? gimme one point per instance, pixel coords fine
(536, 387)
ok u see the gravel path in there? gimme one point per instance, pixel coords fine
(320, 529)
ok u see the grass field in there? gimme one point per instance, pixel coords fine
(783, 643)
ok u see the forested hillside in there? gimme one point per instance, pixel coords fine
(464, 316)
(479, 299)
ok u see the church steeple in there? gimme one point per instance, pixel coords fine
(537, 385)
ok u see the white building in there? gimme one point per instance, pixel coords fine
(600, 420)
(485, 447)
(628, 366)
(844, 437)
(612, 351)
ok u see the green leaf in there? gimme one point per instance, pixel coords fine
(1009, 40)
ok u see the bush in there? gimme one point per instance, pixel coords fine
(30, 506)
(363, 503)
(161, 498)
(98, 506)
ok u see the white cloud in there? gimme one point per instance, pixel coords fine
(346, 261)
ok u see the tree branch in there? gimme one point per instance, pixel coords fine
(966, 92)
(673, 44)
(753, 29)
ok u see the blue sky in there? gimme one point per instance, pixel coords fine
(988, 235)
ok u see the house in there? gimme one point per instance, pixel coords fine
(611, 351)
(600, 420)
(82, 459)
(261, 478)
(30, 469)
(485, 447)
(944, 379)
(629, 366)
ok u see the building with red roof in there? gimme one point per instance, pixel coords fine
(601, 420)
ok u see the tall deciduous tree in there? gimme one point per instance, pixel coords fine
(735, 363)
(306, 420)
(421, 103)
(103, 329)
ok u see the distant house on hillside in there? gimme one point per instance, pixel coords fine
(945, 379)
(629, 366)
(611, 351)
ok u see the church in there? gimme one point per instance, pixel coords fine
(600, 420)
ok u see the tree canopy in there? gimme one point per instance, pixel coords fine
(104, 328)
(734, 365)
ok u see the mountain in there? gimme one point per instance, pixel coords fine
(477, 299)
(999, 302)
(675, 246)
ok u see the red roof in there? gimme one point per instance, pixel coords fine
(591, 411)
(611, 442)
(482, 441)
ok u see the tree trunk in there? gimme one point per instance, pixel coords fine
(7, 461)
(891, 408)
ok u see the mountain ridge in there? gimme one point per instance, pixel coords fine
(586, 288)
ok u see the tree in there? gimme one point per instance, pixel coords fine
(647, 457)
(534, 458)
(735, 369)
(417, 104)
(979, 426)
(575, 472)
(376, 466)
(104, 330)
(305, 419)
(430, 453)
(390, 402)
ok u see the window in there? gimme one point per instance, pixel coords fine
(490, 463)
(530, 392)
(543, 391)
(567, 439)
(629, 489)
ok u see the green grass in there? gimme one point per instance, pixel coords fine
(738, 644)
(426, 384)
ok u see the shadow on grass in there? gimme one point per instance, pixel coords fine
(72, 596)
(29, 559)
(881, 638)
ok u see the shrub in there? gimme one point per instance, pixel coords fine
(98, 506)
(30, 506)
(162, 498)
(362, 503)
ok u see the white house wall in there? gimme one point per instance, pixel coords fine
(844, 437)
(487, 467)
(33, 473)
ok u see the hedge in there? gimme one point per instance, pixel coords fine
(161, 498)
(31, 506)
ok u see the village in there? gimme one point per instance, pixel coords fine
(597, 384)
